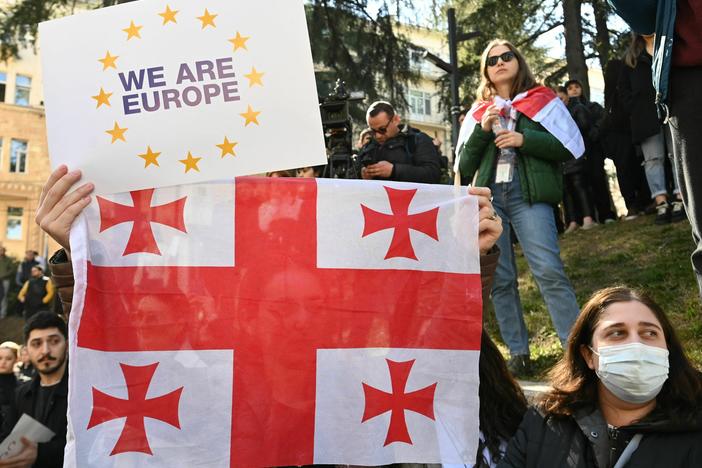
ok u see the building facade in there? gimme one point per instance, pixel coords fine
(424, 96)
(24, 156)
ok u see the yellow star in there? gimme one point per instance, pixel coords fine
(132, 31)
(150, 157)
(254, 77)
(207, 19)
(239, 41)
(102, 98)
(190, 163)
(117, 133)
(108, 61)
(168, 15)
(251, 116)
(227, 147)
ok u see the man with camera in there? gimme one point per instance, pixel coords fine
(397, 151)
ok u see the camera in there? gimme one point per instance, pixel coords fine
(338, 133)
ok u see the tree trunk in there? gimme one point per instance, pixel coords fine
(575, 51)
(601, 10)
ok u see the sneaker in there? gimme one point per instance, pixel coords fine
(662, 213)
(631, 215)
(571, 228)
(677, 212)
(588, 226)
(610, 221)
(519, 365)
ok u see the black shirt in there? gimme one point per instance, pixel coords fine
(44, 396)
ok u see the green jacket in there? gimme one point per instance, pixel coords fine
(538, 165)
(7, 267)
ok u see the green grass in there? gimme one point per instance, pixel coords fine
(635, 253)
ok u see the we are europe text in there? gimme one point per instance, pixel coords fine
(204, 81)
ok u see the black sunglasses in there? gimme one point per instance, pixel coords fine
(506, 57)
(382, 130)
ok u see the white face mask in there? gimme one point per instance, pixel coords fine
(633, 372)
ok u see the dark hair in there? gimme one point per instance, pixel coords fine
(38, 268)
(380, 106)
(574, 384)
(636, 47)
(573, 81)
(561, 89)
(522, 82)
(43, 320)
(502, 403)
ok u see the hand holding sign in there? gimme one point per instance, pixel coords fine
(145, 94)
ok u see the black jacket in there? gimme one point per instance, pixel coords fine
(8, 384)
(413, 155)
(50, 454)
(583, 442)
(582, 119)
(638, 96)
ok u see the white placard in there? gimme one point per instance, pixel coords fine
(156, 93)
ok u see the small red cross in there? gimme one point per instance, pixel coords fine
(379, 402)
(401, 221)
(135, 408)
(141, 239)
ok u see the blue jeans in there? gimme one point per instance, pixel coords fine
(535, 228)
(654, 152)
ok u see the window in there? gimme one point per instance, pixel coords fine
(420, 103)
(18, 156)
(14, 223)
(3, 84)
(23, 84)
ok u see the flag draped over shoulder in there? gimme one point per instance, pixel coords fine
(269, 322)
(541, 105)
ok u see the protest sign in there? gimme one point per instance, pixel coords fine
(155, 93)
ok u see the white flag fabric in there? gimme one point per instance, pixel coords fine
(220, 324)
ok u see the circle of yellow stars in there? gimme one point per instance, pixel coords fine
(149, 156)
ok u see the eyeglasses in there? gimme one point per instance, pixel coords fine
(384, 129)
(506, 57)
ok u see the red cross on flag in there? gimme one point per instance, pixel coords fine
(269, 322)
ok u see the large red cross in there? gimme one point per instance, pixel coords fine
(141, 238)
(379, 402)
(401, 222)
(275, 309)
(135, 408)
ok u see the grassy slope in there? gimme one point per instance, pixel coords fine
(636, 253)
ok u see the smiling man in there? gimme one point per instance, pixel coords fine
(45, 397)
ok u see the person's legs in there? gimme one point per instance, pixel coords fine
(596, 178)
(685, 124)
(571, 219)
(4, 288)
(582, 198)
(505, 294)
(536, 231)
(653, 150)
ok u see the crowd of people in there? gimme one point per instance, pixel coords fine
(624, 391)
(34, 289)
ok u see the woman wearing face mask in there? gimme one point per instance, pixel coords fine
(624, 394)
(520, 133)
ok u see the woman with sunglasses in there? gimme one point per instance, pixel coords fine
(520, 160)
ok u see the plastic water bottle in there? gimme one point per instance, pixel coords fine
(505, 160)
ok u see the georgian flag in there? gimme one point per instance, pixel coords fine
(275, 322)
(541, 105)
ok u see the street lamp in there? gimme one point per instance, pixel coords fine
(451, 68)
